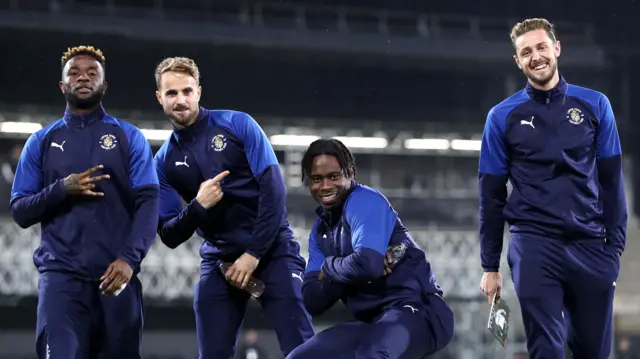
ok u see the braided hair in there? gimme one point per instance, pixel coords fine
(330, 147)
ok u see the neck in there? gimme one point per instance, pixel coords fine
(549, 85)
(81, 111)
(191, 121)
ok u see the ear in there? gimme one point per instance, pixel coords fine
(105, 86)
(557, 49)
(199, 92)
(517, 61)
(159, 97)
(61, 84)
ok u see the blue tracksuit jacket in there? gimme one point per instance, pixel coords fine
(81, 234)
(251, 216)
(561, 151)
(348, 245)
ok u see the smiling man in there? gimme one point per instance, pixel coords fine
(362, 254)
(222, 164)
(558, 145)
(89, 180)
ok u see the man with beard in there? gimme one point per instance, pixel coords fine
(362, 254)
(216, 152)
(89, 180)
(558, 145)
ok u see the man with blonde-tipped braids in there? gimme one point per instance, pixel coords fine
(90, 181)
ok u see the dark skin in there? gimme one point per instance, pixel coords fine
(328, 185)
(83, 82)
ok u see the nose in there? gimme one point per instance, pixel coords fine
(325, 184)
(84, 77)
(181, 98)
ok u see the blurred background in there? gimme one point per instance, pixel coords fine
(406, 84)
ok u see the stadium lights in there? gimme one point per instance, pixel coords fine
(426, 144)
(292, 140)
(305, 140)
(155, 135)
(441, 144)
(466, 145)
(20, 127)
(363, 142)
(283, 140)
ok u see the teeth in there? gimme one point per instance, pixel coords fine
(539, 67)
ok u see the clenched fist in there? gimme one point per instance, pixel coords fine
(210, 192)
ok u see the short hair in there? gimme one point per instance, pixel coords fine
(82, 50)
(533, 24)
(330, 147)
(183, 65)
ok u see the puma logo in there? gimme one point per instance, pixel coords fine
(530, 123)
(296, 275)
(183, 163)
(53, 144)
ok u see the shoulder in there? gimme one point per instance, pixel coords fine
(230, 118)
(239, 123)
(36, 138)
(499, 113)
(133, 133)
(365, 197)
(595, 100)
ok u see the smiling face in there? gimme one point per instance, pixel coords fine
(536, 52)
(328, 183)
(537, 56)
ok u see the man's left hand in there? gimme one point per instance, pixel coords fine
(241, 270)
(116, 277)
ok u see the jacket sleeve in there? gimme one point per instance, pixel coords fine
(144, 185)
(272, 203)
(31, 202)
(492, 177)
(610, 176)
(175, 224)
(318, 295)
(371, 220)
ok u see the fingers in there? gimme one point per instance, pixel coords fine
(219, 177)
(87, 180)
(113, 283)
(88, 172)
(107, 273)
(88, 192)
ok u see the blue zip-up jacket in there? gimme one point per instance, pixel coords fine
(561, 151)
(83, 235)
(348, 244)
(251, 216)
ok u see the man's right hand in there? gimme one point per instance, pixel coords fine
(491, 284)
(83, 183)
(210, 192)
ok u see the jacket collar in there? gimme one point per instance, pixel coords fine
(190, 133)
(85, 120)
(333, 214)
(559, 91)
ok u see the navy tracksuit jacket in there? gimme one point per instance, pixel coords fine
(567, 211)
(81, 235)
(348, 245)
(251, 218)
